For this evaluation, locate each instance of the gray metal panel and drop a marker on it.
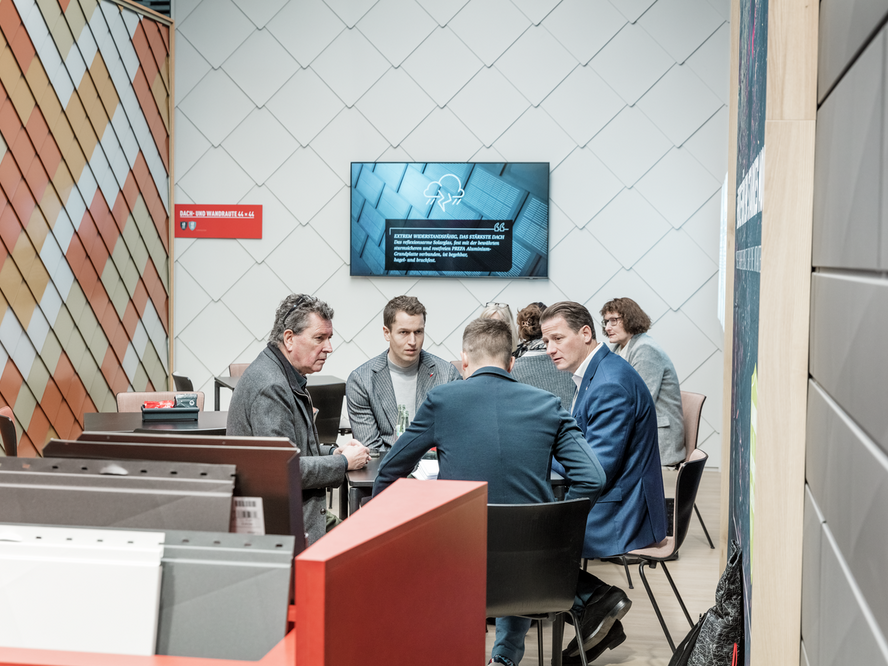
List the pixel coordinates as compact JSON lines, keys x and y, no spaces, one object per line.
{"x":846,"y":635}
{"x":855,"y":499}
{"x":811,"y":579}
{"x":845,"y":26}
{"x":849,"y":317}
{"x":224,"y":595}
{"x":847,"y":169}
{"x":803,"y":656}
{"x":125,"y":493}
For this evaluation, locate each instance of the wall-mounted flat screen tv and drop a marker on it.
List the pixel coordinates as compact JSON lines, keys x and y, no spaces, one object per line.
{"x":472,"y":219}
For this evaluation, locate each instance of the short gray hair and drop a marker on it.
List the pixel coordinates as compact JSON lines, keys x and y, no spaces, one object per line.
{"x":293,"y":314}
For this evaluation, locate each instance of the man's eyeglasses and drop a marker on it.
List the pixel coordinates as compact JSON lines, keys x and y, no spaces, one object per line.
{"x":299,"y":301}
{"x":610,"y":322}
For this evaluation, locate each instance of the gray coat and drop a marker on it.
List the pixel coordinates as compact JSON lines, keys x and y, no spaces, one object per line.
{"x":537,"y":369}
{"x":657,"y":371}
{"x":370,"y":396}
{"x":271,"y":401}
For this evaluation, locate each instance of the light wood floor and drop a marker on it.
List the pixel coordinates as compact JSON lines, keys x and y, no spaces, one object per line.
{"x":695,"y":574}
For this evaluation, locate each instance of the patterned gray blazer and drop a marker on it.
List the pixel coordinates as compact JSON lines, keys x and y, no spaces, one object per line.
{"x":370,"y":396}
{"x":657,"y":371}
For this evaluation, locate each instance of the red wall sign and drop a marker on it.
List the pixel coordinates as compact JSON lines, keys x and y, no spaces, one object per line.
{"x":218,"y":221}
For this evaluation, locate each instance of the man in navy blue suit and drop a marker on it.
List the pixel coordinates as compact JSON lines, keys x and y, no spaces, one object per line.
{"x":616,"y":413}
{"x":493,"y":428}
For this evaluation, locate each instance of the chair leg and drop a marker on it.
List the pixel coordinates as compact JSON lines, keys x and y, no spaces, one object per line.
{"x":576,"y":619}
{"x":654,"y":601}
{"x":703,"y":525}
{"x":678,"y":596}
{"x":540,"y":640}
{"x":557,"y":639}
{"x":626,"y":567}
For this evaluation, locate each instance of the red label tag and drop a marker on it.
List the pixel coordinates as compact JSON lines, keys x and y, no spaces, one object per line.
{"x":218,"y":221}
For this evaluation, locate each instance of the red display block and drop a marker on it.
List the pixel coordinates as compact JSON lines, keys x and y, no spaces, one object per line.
{"x":402,"y":581}
{"x":218,"y":221}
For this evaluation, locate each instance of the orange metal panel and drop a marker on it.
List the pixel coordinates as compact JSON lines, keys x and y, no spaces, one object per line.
{"x":23,"y":202}
{"x":37,"y":79}
{"x":37,"y":128}
{"x":37,"y":179}
{"x":37,"y":229}
{"x":52,"y":399}
{"x":22,"y":49}
{"x":65,"y":424}
{"x":22,"y":99}
{"x":10,"y":381}
{"x":50,"y":206}
{"x":381,"y":559}
{"x":38,"y":428}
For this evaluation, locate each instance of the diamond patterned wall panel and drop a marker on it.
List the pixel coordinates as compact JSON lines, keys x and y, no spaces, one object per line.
{"x":626,"y":99}
{"x":84,"y":200}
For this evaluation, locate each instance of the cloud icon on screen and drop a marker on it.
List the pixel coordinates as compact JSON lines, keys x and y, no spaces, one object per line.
{"x":443,"y":197}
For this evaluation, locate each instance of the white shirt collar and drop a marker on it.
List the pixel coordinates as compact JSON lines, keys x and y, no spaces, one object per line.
{"x":581,"y":371}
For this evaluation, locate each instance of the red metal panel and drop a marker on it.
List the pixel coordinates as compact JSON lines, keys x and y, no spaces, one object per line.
{"x":401,"y":581}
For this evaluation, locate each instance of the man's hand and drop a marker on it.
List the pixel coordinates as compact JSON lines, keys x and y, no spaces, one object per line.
{"x":357,"y":454}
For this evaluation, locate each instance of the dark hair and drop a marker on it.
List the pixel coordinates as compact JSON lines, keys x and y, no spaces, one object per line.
{"x":574,"y":314}
{"x":635,"y":320}
{"x":529,"y":321}
{"x":293,"y":315}
{"x":409,"y":305}
{"x":490,"y":339}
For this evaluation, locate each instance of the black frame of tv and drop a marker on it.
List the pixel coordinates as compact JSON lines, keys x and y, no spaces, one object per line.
{"x":449,"y":219}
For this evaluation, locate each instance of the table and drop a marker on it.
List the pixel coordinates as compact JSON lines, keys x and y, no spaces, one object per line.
{"x":359,"y":484}
{"x":207,"y":423}
{"x":222,"y":382}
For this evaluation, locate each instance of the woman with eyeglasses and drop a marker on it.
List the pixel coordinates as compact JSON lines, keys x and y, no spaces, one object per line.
{"x":533,"y":366}
{"x":625,"y":324}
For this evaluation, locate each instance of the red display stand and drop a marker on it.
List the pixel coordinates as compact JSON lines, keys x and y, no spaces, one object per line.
{"x":401,"y":581}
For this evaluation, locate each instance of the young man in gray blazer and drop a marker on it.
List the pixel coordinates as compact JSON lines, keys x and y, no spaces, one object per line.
{"x":271,"y":401}
{"x":384,"y":393}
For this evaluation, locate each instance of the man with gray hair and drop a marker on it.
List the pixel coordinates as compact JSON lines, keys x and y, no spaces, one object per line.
{"x":493,"y":428}
{"x":271,"y":400}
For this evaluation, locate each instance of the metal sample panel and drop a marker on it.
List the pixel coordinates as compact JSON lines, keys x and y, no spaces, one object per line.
{"x":224,"y":595}
{"x":84,"y":590}
{"x":116,"y":493}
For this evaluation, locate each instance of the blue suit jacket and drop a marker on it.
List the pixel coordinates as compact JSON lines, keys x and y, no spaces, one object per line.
{"x":493,"y":428}
{"x":616,"y":413}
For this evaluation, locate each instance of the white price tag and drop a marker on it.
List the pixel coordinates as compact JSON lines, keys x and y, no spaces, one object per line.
{"x":247,"y":516}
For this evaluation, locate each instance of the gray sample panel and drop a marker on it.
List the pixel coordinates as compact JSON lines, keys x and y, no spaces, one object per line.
{"x":853,"y":498}
{"x":845,"y":25}
{"x":849,"y":317}
{"x":224,"y":596}
{"x":848,"y":166}
{"x":811,"y":579}
{"x":122,"y":493}
{"x":846,"y":635}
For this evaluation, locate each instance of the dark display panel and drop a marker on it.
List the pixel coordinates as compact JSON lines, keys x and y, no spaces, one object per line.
{"x":472,"y":219}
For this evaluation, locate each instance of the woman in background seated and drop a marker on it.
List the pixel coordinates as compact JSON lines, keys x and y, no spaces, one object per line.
{"x":503,"y":312}
{"x":625,"y":324}
{"x":533,"y":366}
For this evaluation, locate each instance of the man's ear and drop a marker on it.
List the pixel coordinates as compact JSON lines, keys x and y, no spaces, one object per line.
{"x":465,"y":362}
{"x":387,"y":334}
{"x":288,"y":339}
{"x":511,"y":363}
{"x":588,"y":335}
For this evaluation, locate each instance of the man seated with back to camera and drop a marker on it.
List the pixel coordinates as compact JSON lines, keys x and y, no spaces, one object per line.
{"x":383,"y":394}
{"x":271,"y":400}
{"x":493,"y":428}
{"x":616,"y":413}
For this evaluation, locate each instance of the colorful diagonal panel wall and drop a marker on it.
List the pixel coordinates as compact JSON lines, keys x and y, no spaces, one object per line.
{"x":84,"y":211}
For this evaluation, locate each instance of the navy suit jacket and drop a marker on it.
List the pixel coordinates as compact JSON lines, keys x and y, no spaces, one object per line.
{"x":493,"y":428}
{"x":616,"y":413}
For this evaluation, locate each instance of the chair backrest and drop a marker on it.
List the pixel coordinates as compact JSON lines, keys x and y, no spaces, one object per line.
{"x":692,"y":408}
{"x":132,"y":401}
{"x":182,"y":383}
{"x":237,"y":369}
{"x":7,"y":432}
{"x":533,"y":556}
{"x":686,"y":484}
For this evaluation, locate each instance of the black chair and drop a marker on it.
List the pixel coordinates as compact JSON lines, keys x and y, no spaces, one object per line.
{"x":686,"y":484}
{"x":533,"y":560}
{"x":7,"y":433}
{"x":182,"y":383}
